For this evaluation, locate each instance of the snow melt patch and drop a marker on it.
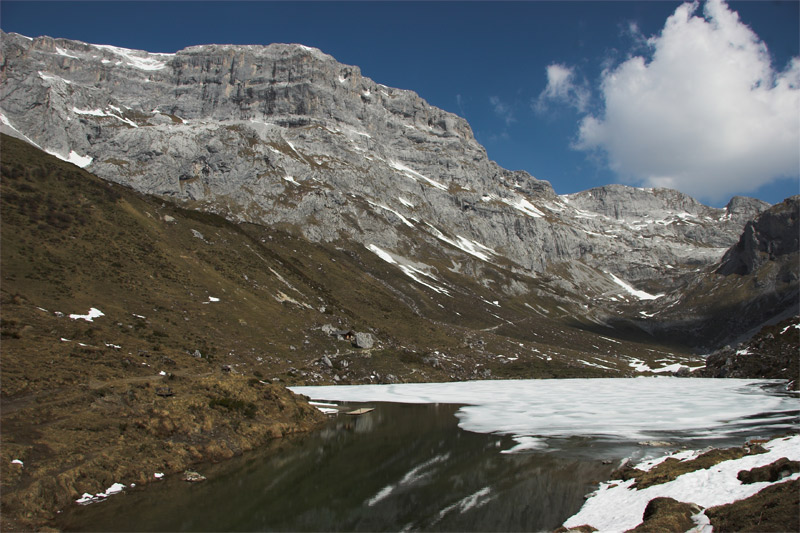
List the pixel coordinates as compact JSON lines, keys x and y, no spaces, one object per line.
{"x":326,"y":407}
{"x":669,"y":368}
{"x":416,"y":176}
{"x":138,"y":59}
{"x":93,"y":313}
{"x":473,"y":248}
{"x":73,"y":157}
{"x":609,"y":408}
{"x":87,"y":498}
{"x":639,"y":365}
{"x":618,"y":507}
{"x":634,"y":292}
{"x":524,"y":206}
{"x":101,"y":113}
{"x":403,"y":219}
{"x":409,"y":269}
{"x":50,"y":77}
{"x":62,"y":52}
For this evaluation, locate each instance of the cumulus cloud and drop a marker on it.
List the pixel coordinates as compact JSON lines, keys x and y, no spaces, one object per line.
{"x":706,"y":113}
{"x":563,"y":87}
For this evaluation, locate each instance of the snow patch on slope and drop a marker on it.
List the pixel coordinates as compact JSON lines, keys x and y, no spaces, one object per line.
{"x":642,"y":295}
{"x":615,"y":506}
{"x":473,"y":248}
{"x":403,"y":219}
{"x":416,"y":176}
{"x":410,"y":269}
{"x":93,"y":313}
{"x":138,"y":59}
{"x":101,"y":113}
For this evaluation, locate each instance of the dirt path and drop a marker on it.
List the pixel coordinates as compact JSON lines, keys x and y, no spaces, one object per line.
{"x":95,"y":384}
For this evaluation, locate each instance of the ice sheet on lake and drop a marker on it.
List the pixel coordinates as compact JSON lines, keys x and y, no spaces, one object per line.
{"x":616,"y":408}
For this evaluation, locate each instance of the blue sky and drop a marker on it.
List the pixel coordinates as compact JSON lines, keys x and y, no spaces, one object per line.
{"x":553,"y":88}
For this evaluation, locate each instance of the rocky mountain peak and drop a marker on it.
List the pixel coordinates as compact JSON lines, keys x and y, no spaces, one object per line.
{"x":744,"y":207}
{"x":622,"y":201}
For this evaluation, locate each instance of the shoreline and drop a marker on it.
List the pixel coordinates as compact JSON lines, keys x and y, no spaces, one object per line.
{"x":209,"y":418}
{"x":696,"y":490}
{"x":52,"y":463}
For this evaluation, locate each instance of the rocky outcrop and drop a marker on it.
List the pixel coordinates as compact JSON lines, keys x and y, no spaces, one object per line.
{"x":667,"y":514}
{"x":780,"y":469}
{"x":775,"y":233}
{"x":773,"y":353}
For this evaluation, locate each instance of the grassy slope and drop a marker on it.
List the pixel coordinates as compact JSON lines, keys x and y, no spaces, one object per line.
{"x":80,"y":402}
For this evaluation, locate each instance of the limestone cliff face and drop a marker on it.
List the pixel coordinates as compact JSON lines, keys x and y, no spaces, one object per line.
{"x":286,"y":135}
{"x":772,"y":236}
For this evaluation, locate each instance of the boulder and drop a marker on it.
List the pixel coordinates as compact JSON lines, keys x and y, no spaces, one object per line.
{"x":363,"y":340}
{"x":667,"y":514}
{"x":772,"y":472}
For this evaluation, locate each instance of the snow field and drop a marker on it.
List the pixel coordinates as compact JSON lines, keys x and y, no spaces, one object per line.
{"x":617,"y":507}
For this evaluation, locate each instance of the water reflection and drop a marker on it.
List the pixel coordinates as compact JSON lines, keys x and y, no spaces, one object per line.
{"x":397,"y":467}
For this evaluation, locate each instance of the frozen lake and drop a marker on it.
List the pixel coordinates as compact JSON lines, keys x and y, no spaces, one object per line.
{"x":476,"y":456}
{"x":536,"y":412}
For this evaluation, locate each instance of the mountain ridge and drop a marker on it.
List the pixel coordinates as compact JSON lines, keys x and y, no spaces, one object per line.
{"x":310,"y":135}
{"x":285,"y":136}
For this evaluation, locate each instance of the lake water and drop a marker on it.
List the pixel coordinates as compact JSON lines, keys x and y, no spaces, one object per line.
{"x":417,"y":463}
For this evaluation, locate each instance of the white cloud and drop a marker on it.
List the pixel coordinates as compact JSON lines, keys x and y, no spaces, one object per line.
{"x":562,"y":87}
{"x":706,"y":113}
{"x":502,"y":110}
{"x":460,"y":104}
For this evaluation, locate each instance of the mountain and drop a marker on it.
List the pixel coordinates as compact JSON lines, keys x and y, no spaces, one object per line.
{"x":247,"y":217}
{"x":285,"y":136}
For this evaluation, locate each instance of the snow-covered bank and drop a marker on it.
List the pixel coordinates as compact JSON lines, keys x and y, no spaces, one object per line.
{"x":617,"y":506}
{"x":621,"y":409}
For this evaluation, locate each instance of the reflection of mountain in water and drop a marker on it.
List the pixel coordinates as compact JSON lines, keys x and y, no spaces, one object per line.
{"x":399,"y":467}
{"x":406,"y":466}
